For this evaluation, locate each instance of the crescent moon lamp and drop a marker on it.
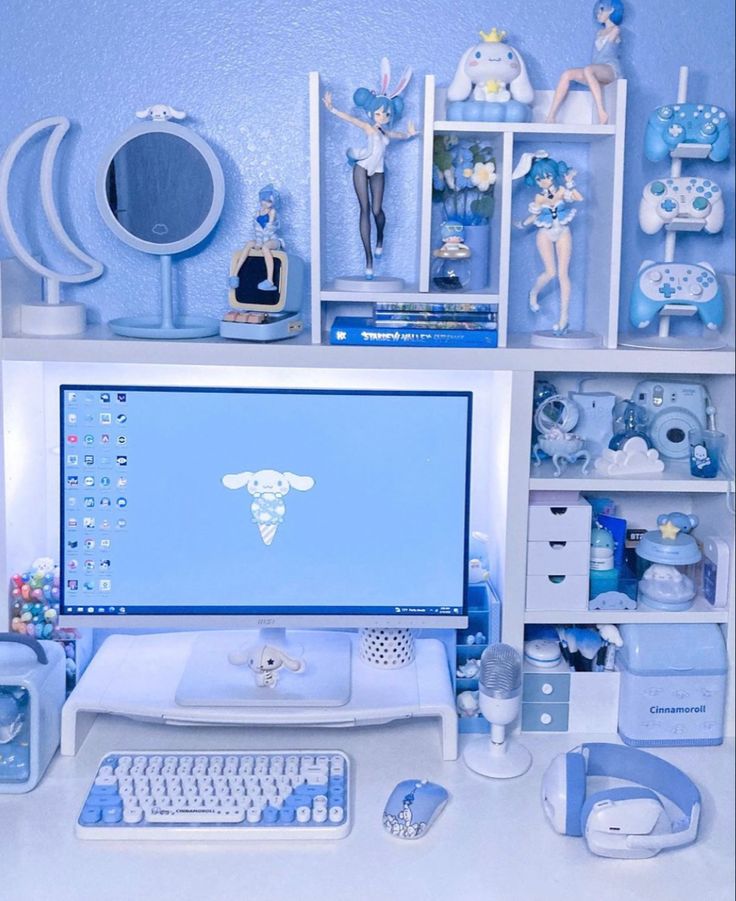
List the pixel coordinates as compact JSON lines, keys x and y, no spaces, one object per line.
{"x":47,"y":317}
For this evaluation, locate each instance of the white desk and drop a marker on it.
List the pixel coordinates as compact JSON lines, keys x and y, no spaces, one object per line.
{"x":491,"y":841}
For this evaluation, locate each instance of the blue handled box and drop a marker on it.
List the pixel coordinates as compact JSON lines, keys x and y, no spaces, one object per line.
{"x":673,"y":684}
{"x":32,"y":692}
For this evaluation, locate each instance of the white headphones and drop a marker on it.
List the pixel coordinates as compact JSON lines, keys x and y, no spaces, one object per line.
{"x":620,"y":822}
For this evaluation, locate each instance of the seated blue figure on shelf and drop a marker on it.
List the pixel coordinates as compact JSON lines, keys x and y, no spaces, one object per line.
{"x":491,"y":83}
{"x":266,"y":283}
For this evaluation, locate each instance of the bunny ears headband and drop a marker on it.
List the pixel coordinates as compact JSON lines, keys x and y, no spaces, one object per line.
{"x":523,"y":167}
{"x":386,"y":78}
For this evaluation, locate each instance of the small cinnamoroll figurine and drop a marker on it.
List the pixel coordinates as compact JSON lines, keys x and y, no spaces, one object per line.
{"x":477,"y":573}
{"x":469,"y":669}
{"x":265,"y":661}
{"x":478,"y":638}
{"x":160,"y":112}
{"x":467,"y":704}
{"x":451,"y":266}
{"x":491,"y":83}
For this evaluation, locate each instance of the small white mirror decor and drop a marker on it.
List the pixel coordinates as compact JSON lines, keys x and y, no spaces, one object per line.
{"x":47,"y":315}
{"x":160,"y":189}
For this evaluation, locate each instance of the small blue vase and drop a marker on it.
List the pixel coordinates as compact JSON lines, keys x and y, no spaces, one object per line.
{"x":478,"y":239}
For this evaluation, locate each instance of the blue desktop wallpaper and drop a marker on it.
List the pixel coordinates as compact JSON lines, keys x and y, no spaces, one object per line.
{"x":240,"y":71}
{"x":167,"y":496}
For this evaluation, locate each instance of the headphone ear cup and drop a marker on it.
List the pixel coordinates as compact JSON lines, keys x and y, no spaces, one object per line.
{"x":575,"y":766}
{"x":563,"y":792}
{"x":608,"y":818}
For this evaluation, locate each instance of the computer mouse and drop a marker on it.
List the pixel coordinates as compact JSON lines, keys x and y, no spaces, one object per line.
{"x":412,"y":807}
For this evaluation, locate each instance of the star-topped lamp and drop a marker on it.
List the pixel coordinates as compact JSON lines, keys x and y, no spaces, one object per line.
{"x":665,"y":585}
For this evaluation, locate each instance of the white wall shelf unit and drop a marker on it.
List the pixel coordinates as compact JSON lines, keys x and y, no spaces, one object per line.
{"x":603,"y":146}
{"x":605,"y":156}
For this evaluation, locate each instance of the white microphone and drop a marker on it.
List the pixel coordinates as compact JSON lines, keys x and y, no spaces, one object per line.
{"x":500,"y":700}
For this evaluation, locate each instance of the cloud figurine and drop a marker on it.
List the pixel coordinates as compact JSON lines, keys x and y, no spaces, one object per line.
{"x":268,"y":487}
{"x":633,"y":459}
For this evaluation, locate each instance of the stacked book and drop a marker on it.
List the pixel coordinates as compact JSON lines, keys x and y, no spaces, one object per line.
{"x":420,"y":325}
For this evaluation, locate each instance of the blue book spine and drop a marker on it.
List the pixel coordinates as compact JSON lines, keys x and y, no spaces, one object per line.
{"x":383,"y":306}
{"x":358,"y":330}
{"x":430,"y":319}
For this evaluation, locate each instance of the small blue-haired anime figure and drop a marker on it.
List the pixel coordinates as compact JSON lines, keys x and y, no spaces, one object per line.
{"x":551,"y":212}
{"x":604,"y":65}
{"x":382,"y":108}
{"x":265,"y":236}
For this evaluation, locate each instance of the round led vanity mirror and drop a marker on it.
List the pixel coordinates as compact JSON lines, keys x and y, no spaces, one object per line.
{"x":160,"y":189}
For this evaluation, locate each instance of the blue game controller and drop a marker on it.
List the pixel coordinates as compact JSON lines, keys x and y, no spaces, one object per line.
{"x":676,"y":283}
{"x":687,"y":123}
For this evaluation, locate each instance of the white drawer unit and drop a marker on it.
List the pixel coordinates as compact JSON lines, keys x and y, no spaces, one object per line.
{"x":569,"y":558}
{"x":557,"y":591}
{"x":558,"y":516}
{"x":560,"y":701}
{"x":558,"y":551}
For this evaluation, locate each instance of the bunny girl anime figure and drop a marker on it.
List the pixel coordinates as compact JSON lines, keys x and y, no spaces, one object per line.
{"x":382,"y":108}
{"x":551,"y":213}
{"x":604,"y":65}
{"x":265,"y":236}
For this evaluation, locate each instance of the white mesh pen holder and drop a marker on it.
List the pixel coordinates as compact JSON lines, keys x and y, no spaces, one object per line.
{"x":386,"y":648}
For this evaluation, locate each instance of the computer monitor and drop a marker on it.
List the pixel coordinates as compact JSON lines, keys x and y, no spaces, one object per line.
{"x":187,"y":507}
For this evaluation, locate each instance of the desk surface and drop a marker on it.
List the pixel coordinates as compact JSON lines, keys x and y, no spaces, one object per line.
{"x":491,"y":840}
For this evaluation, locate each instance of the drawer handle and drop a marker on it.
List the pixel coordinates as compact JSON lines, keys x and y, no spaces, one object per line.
{"x":558,"y":511}
{"x":545,"y":719}
{"x":557,"y":580}
{"x":557,"y":545}
{"x":547,"y":689}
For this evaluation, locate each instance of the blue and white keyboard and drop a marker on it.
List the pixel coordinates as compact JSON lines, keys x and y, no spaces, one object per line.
{"x":218,"y":795}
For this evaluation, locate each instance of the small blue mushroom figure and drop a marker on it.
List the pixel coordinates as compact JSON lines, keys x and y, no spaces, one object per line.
{"x":268,"y":487}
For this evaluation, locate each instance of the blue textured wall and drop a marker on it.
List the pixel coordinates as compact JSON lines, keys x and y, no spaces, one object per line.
{"x":240,"y":70}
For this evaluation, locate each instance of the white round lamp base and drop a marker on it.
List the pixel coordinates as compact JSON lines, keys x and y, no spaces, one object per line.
{"x":182,"y":327}
{"x":506,"y":761}
{"x":707,"y":341}
{"x":565,"y":340}
{"x":381,"y":284}
{"x":52,"y":319}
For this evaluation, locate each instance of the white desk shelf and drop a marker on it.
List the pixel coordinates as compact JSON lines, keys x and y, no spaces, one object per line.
{"x":137,"y":676}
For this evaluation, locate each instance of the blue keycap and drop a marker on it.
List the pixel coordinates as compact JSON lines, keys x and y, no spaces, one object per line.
{"x":112,"y":813}
{"x":90,"y":815}
{"x":286,"y":814}
{"x":103,"y":791}
{"x":270,"y":814}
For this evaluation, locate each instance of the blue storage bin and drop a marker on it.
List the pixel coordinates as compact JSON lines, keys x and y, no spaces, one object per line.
{"x":484,"y":616}
{"x":32,"y":689}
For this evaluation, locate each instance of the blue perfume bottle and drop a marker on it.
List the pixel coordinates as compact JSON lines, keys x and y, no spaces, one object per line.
{"x":629,"y":421}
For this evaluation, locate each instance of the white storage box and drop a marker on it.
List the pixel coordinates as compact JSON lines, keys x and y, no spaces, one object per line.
{"x":557,"y":592}
{"x":558,"y":516}
{"x":673,"y":684}
{"x":567,"y":558}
